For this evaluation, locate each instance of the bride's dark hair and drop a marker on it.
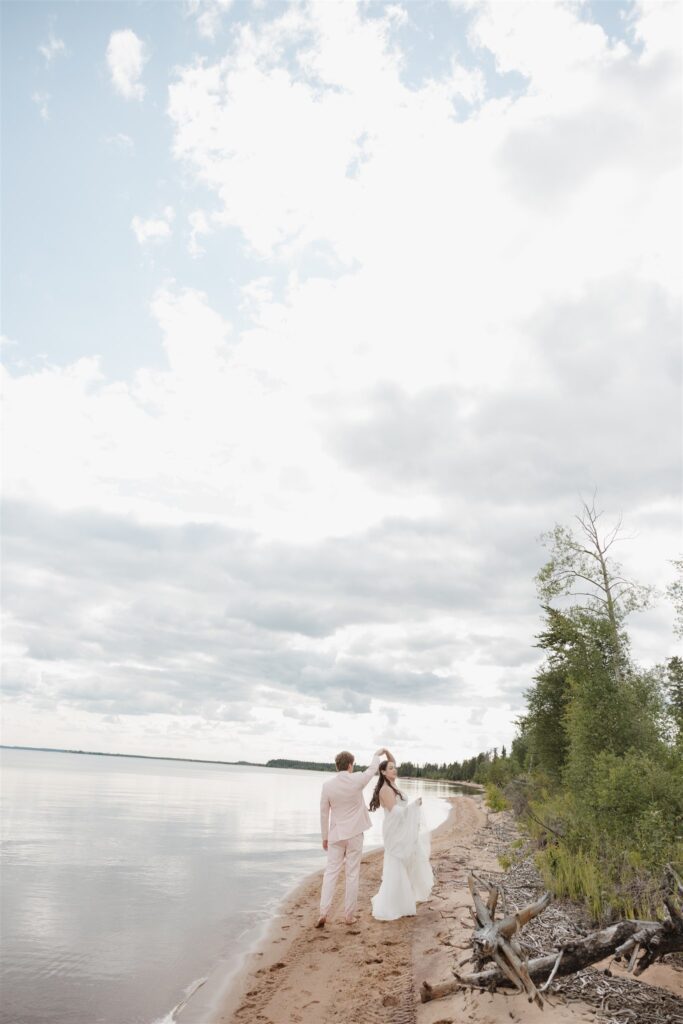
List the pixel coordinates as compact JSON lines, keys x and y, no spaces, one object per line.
{"x":382,"y":781}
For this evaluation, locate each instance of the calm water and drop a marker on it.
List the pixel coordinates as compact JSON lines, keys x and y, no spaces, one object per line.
{"x":126,"y":882}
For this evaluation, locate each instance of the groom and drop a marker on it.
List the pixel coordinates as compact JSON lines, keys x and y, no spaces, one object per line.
{"x":343,"y":819}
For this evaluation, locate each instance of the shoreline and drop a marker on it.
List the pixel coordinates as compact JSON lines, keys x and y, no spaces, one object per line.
{"x":294,"y":920}
{"x":267,"y":951}
{"x":268,"y":948}
{"x":370,"y":973}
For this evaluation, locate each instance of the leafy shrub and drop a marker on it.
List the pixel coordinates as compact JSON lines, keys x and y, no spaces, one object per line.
{"x":608,"y":845}
{"x":494,"y":798}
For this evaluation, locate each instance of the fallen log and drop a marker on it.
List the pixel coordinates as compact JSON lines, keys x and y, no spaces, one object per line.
{"x":643,"y":941}
{"x":656,"y":939}
{"x":572,"y":957}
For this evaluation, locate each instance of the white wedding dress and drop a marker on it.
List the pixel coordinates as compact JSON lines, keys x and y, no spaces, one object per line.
{"x":407,"y":877}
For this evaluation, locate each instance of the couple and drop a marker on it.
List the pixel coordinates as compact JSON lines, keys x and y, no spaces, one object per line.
{"x":407,"y":876}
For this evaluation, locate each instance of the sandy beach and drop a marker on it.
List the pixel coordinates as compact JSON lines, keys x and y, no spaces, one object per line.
{"x":371,"y":973}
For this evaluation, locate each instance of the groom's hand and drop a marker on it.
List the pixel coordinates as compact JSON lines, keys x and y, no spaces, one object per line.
{"x":324,"y":844}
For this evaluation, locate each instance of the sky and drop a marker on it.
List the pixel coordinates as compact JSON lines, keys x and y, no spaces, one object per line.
{"x":316,"y":317}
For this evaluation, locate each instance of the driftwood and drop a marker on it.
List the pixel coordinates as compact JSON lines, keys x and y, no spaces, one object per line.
{"x":643,"y":941}
{"x":656,"y":940}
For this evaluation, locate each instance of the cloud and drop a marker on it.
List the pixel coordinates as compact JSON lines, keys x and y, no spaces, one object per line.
{"x":121,"y":141}
{"x":128,"y":619}
{"x":208,"y":15}
{"x":598,"y":356}
{"x":548,"y":44}
{"x":42,"y":100}
{"x":453,"y":307}
{"x":303,"y":716}
{"x":155,"y":229}
{"x":285,"y":114}
{"x":126,"y":58}
{"x":54,"y":47}
{"x":199,"y":225}
{"x":455,"y":230}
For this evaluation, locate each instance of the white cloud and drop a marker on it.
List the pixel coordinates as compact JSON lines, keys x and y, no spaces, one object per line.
{"x":52,"y":48}
{"x":126,"y":58}
{"x":658,"y":24}
{"x":440,"y":257}
{"x":154,"y":229}
{"x":199,"y":225}
{"x":42,"y":101}
{"x":195,"y":339}
{"x":430,"y":198}
{"x":120,"y":140}
{"x":209,"y":15}
{"x":549,"y":44}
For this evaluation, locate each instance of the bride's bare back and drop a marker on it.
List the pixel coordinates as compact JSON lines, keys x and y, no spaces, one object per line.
{"x":387,"y":798}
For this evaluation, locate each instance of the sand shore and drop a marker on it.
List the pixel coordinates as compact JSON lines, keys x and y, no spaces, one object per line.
{"x":371,"y":973}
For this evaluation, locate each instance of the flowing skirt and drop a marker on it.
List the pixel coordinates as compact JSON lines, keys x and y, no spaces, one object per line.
{"x":407,"y":877}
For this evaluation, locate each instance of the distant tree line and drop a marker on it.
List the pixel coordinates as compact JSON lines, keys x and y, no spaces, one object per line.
{"x":456,"y":771}
{"x":311,"y":766}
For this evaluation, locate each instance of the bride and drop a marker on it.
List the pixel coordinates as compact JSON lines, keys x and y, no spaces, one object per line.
{"x":407,"y":877}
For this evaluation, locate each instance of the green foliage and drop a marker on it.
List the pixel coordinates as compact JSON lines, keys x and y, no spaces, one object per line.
{"x":609,"y":844}
{"x":601,"y":742}
{"x":495,"y":798}
{"x":586,"y":699}
{"x":636,"y":802}
{"x":675,"y":594}
{"x":544,"y":724}
{"x":613,"y":716}
{"x":609,"y":822}
{"x":573,"y":874}
{"x":673,"y":690}
{"x":519,"y":752}
{"x":456,"y":771}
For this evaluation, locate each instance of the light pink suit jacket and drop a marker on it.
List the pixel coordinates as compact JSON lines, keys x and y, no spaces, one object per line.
{"x":343,"y":813}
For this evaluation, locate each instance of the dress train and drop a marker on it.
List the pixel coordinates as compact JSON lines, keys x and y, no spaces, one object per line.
{"x":407,"y":877}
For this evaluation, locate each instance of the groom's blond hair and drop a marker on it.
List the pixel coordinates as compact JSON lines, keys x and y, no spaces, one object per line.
{"x":343,"y":760}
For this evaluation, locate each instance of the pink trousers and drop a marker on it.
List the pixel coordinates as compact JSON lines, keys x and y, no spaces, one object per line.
{"x":347,"y":852}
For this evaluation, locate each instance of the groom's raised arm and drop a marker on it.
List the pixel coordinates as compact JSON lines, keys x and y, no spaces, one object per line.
{"x":362,"y":778}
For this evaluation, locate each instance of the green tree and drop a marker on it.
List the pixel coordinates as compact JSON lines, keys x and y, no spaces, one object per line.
{"x":675,"y":593}
{"x":674,"y":693}
{"x":544,"y":726}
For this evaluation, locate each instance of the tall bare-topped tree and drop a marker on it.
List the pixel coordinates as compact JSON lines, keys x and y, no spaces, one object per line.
{"x":581,"y":566}
{"x":675,"y":593}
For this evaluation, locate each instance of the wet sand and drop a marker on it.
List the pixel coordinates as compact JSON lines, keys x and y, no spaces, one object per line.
{"x":371,"y":972}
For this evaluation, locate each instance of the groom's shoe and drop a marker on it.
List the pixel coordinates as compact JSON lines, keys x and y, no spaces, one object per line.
{"x":321,"y":922}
